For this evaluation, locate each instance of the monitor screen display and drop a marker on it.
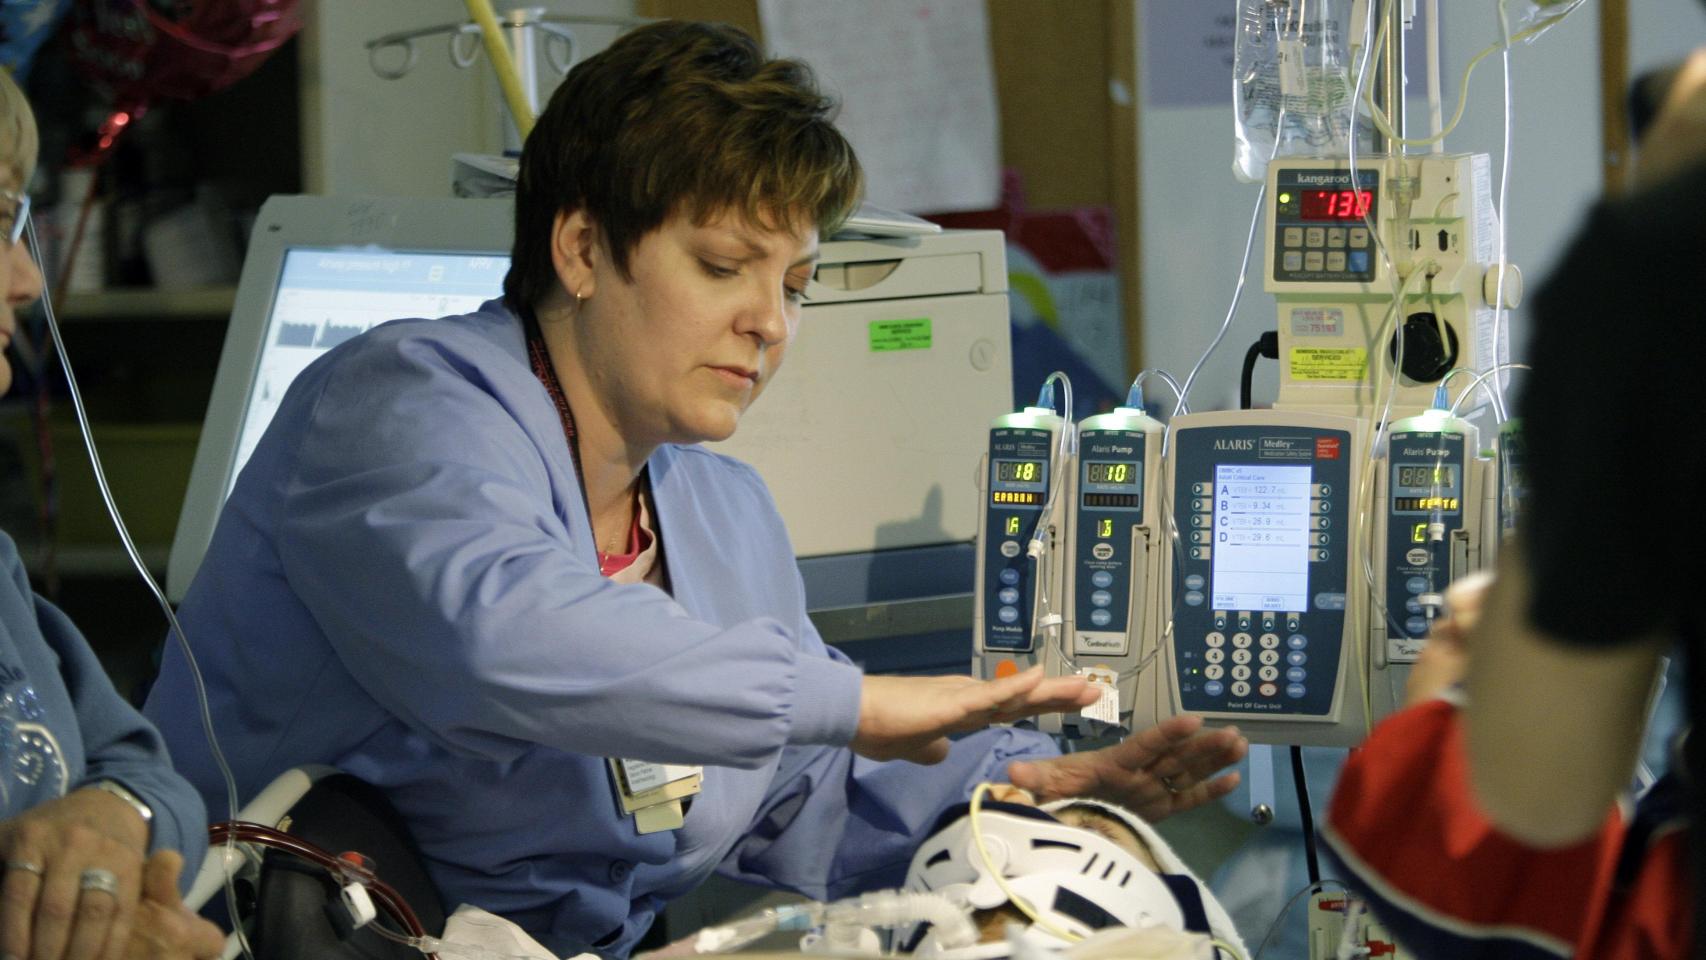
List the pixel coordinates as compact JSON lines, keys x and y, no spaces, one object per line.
{"x":1261,"y":537}
{"x":327,"y":295}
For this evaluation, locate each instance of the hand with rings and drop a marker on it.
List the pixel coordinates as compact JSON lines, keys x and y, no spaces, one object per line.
{"x":73,"y":878}
{"x":1166,"y":769}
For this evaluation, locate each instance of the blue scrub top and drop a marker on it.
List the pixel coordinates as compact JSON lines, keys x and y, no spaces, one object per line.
{"x":404,"y":585}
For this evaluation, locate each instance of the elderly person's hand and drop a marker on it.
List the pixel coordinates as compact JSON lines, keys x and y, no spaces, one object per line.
{"x":1444,"y":660}
{"x":910,"y":718}
{"x":73,"y":876}
{"x":1166,"y":769}
{"x":165,"y":929}
{"x":1677,"y":138}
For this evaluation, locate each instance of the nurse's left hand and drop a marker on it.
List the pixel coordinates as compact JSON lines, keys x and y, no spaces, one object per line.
{"x":911,"y":718}
{"x":1166,"y":769}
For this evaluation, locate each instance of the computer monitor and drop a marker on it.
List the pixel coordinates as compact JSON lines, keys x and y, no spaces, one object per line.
{"x":320,"y":270}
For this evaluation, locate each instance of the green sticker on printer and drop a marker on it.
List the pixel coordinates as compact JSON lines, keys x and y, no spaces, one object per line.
{"x":889,"y":335}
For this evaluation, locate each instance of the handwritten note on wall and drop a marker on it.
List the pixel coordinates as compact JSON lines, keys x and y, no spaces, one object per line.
{"x":917,"y":90}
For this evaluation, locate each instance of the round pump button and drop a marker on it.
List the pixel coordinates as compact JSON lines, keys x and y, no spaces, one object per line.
{"x":1007,"y":614}
{"x":1008,"y":595}
{"x":1010,"y":576}
{"x":1101,"y":578}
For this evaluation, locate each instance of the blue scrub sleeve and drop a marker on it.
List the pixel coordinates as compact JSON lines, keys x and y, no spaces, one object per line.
{"x":836,"y":824}
{"x":421,"y":529}
{"x":120,"y":745}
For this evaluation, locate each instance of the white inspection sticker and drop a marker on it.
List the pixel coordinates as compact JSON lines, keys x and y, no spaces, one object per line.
{"x":1317,"y":321}
{"x":1106,"y":709}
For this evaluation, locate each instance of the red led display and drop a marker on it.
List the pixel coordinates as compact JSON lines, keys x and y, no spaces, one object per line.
{"x":1336,"y":204}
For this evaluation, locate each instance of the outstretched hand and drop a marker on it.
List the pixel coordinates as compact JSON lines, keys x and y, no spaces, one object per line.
{"x":1166,"y":769}
{"x":910,"y":718}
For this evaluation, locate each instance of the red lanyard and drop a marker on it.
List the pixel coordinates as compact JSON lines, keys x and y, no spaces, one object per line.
{"x":540,"y":359}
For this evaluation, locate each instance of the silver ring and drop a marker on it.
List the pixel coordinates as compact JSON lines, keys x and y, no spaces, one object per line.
{"x":95,"y":878}
{"x":1168,"y":783}
{"x":24,"y":866}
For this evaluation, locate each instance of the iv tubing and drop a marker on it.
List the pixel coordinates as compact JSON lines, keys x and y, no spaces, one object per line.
{"x":1500,"y":368}
{"x":1501,"y":316}
{"x":503,"y":64}
{"x":1384,"y":125}
{"x":1165,"y":377}
{"x":1436,"y":125}
{"x":887,"y":908}
{"x":1243,"y":272}
{"x":142,"y":568}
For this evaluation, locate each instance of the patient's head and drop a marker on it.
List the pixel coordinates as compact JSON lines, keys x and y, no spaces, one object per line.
{"x":1082,"y":866}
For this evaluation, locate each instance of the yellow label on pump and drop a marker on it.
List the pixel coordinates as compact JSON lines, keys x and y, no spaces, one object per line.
{"x":1329,"y":363}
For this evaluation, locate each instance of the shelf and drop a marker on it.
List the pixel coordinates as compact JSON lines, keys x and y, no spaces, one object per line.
{"x":148,"y":303}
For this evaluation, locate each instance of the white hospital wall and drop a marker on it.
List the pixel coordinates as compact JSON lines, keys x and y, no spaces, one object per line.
{"x":365,"y":135}
{"x":1195,"y":216}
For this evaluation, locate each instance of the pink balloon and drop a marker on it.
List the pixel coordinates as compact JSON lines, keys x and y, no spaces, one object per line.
{"x":136,"y":51}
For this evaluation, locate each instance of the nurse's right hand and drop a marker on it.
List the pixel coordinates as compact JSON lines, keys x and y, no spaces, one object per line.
{"x":910,"y":718}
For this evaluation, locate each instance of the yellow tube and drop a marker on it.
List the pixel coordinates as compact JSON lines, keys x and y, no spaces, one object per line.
{"x":503,"y":64}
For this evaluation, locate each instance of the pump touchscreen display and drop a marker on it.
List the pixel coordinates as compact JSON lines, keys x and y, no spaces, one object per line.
{"x":1261,"y":537}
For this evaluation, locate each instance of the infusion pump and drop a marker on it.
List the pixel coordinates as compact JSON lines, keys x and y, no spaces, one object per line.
{"x":1437,"y":503}
{"x":1114,"y":539}
{"x":1021,"y":525}
{"x":1341,"y":244}
{"x":1263,"y":581}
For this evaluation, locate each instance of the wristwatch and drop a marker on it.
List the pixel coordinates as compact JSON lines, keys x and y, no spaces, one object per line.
{"x":135,"y":802}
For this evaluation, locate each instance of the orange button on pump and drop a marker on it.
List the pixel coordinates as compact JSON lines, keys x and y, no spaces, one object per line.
{"x":1006,"y":668}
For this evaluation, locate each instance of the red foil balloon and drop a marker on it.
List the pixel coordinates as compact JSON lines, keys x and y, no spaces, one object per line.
{"x":136,"y":51}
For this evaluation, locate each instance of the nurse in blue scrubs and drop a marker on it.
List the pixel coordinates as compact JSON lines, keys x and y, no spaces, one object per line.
{"x":482,"y":562}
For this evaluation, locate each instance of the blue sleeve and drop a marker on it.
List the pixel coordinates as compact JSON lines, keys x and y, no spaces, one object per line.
{"x":122,"y":746}
{"x":835,"y":823}
{"x":421,"y":528}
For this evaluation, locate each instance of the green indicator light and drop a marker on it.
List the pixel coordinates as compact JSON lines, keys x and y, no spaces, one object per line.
{"x":1285,"y":198}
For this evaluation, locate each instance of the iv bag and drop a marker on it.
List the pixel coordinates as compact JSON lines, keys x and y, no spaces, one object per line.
{"x":1292,"y":82}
